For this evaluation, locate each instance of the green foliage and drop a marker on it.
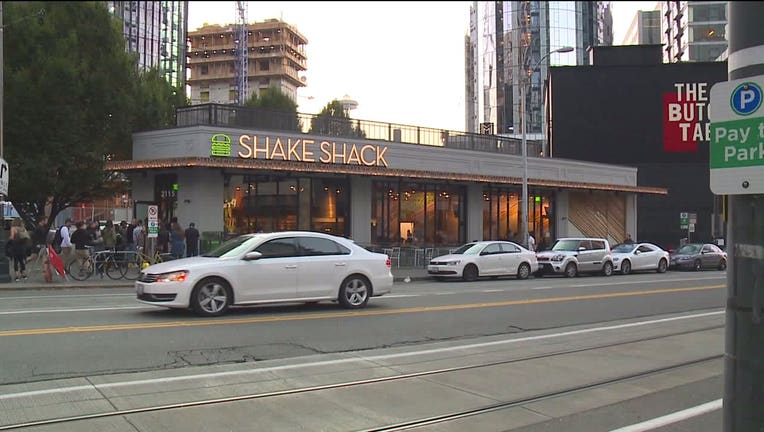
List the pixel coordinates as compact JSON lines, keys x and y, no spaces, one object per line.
{"x":73,"y":97}
{"x":272,"y":109}
{"x":334,"y":121}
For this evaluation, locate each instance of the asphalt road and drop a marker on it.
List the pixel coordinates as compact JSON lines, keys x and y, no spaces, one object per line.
{"x":50,"y":334}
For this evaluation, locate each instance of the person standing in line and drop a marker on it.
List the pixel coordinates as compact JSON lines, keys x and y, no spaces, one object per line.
{"x":67,"y":248}
{"x":20,"y":245}
{"x":109,"y":235}
{"x":81,"y":238}
{"x":39,"y":238}
{"x":139,"y":238}
{"x":177,"y":239}
{"x":531,"y":242}
{"x":129,"y":244}
{"x":628,"y":239}
{"x":192,"y":240}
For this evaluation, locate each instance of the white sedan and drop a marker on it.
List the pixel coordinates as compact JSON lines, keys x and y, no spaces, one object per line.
{"x":629,"y":257}
{"x":484,"y":258}
{"x":282,"y":267}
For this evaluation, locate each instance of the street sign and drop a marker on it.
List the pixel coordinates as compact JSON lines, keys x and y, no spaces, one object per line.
{"x":684,"y":220}
{"x":4,"y":174}
{"x":737,"y":137}
{"x":153,"y":213}
{"x":693,"y":218}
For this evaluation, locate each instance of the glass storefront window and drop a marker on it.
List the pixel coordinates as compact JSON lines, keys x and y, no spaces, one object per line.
{"x":266,"y":204}
{"x":501,"y":215}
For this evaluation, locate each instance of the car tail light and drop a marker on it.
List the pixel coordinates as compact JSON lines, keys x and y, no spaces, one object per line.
{"x":389,"y":263}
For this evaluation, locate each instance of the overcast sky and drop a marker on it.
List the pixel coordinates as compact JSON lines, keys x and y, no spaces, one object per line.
{"x":403,"y":62}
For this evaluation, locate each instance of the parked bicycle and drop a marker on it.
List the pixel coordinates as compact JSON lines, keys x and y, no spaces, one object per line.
{"x":101,"y":263}
{"x":131,"y":263}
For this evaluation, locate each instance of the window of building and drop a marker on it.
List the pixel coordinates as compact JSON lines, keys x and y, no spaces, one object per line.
{"x":708,"y":33}
{"x":264,"y":65}
{"x":502,"y":221}
{"x":204,"y":69}
{"x":232,"y":95}
{"x":204,"y":96}
{"x":708,"y":12}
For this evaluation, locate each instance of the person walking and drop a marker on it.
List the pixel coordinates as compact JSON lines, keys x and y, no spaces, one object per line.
{"x":67,"y":249}
{"x":21,"y":246}
{"x":192,"y":240}
{"x":531,"y":242}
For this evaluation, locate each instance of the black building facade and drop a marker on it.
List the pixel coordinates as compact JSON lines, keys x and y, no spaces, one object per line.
{"x":628,"y":108}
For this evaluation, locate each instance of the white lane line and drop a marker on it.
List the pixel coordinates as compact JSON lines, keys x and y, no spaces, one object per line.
{"x":673,"y":417}
{"x":494,"y":290}
{"x":257,"y":370}
{"x":387,"y":296}
{"x":651,"y":281}
{"x":36,"y":311}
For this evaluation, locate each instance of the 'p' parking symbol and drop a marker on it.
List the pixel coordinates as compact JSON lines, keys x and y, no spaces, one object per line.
{"x":746,"y":98}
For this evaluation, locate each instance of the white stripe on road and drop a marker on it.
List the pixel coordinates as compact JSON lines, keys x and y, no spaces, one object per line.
{"x":256,"y":370}
{"x":35,"y":311}
{"x":673,"y":417}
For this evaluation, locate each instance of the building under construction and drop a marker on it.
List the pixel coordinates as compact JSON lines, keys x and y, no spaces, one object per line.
{"x":276,"y":58}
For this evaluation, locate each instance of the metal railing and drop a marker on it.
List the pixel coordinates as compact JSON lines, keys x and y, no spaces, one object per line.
{"x":261,"y":119}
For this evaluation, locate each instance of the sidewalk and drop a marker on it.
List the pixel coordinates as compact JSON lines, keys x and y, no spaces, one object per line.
{"x":36,"y":280}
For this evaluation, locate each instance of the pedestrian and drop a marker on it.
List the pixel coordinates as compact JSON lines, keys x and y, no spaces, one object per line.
{"x":531,"y":242}
{"x":81,"y":239}
{"x":177,"y":239}
{"x":109,"y":235}
{"x":139,"y":237}
{"x":67,"y":249}
{"x":21,"y":246}
{"x":39,"y":238}
{"x":192,"y":240}
{"x":129,"y":242}
{"x":163,"y":237}
{"x":628,"y":239}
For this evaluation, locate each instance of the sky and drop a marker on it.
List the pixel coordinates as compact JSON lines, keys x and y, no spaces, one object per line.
{"x":403,"y":62}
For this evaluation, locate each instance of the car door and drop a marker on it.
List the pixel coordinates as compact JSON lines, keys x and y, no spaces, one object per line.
{"x":645,"y":258}
{"x":585,"y":256}
{"x":708,"y":257}
{"x":510,"y":258}
{"x":324,"y":263}
{"x":271,"y":277}
{"x":489,"y":260}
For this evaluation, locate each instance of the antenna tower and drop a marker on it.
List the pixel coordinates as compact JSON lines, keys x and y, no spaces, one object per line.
{"x":242,"y":55}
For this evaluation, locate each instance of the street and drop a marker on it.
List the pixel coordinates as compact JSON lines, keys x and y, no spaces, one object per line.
{"x":57,"y":338}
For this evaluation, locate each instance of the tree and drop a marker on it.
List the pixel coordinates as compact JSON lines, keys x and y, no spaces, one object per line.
{"x":73,"y":97}
{"x":334,"y":121}
{"x":272,"y":109}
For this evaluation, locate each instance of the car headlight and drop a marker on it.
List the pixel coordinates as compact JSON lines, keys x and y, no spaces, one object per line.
{"x":176,"y":276}
{"x":453,"y":263}
{"x":558,"y":257}
{"x":616,"y":259}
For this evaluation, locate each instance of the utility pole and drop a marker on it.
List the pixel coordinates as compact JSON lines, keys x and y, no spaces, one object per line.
{"x":5,"y":275}
{"x":744,"y":339}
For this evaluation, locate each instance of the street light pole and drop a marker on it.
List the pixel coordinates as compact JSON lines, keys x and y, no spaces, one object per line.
{"x":524,"y":150}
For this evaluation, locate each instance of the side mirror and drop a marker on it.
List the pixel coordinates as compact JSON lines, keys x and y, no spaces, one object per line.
{"x":637,"y":252}
{"x":251,"y":256}
{"x":581,"y":249}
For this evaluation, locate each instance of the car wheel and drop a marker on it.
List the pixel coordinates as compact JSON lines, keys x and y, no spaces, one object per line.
{"x":211,"y":297}
{"x":607,"y":268}
{"x":523,"y":271}
{"x":625,"y":267}
{"x":470,"y":273}
{"x":698,"y":266}
{"x":354,"y":292}
{"x":722,"y":265}
{"x":571,"y":270}
{"x":662,"y":266}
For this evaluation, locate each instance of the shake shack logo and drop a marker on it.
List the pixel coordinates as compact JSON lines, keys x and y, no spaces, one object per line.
{"x":221,"y":145}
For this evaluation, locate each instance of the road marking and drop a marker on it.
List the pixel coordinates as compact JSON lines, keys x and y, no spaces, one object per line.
{"x":673,"y":417}
{"x":627,"y":283}
{"x":34,"y":311}
{"x":493,"y":290}
{"x":256,"y":369}
{"x":348,"y":314}
{"x":38,"y":297}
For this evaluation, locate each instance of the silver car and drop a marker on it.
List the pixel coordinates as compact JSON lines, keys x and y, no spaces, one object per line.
{"x":571,"y":256}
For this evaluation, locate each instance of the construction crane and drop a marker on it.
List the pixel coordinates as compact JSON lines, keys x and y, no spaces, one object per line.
{"x":242,"y":56}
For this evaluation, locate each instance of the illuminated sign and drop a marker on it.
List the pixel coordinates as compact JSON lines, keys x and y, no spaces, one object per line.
{"x":685,"y":117}
{"x":299,"y":150}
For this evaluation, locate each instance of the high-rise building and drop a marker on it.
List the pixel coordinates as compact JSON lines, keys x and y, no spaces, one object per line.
{"x":156,"y":32}
{"x":276,"y":59}
{"x":645,"y":28}
{"x":513,"y":39}
{"x":693,"y":30}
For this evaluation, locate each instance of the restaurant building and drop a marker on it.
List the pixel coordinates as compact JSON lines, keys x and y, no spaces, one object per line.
{"x":377,"y":183}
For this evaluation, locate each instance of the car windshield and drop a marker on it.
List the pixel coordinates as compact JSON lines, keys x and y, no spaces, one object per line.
{"x":624,"y":248}
{"x":235,"y":246}
{"x":468,"y":249}
{"x":689,"y":249}
{"x":565,"y":245}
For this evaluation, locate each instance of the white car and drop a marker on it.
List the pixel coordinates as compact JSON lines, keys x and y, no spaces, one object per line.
{"x":629,"y":257}
{"x":282,"y":267}
{"x":484,"y":258}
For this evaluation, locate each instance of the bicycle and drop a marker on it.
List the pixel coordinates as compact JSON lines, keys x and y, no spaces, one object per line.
{"x":101,"y":262}
{"x":131,"y":263}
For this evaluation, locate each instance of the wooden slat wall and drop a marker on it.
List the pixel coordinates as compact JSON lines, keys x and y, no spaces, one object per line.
{"x":598,"y":214}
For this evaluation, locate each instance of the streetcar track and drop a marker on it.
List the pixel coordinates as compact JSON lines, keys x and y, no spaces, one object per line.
{"x":399,"y":377}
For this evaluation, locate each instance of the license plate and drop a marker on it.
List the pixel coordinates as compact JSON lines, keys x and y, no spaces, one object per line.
{"x":434,"y":269}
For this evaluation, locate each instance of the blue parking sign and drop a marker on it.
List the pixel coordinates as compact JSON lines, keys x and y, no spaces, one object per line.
{"x":746,"y":98}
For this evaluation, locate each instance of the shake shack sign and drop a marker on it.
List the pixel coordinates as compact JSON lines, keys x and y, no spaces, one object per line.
{"x":297,"y":150}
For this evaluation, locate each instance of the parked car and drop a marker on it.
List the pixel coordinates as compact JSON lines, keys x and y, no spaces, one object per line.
{"x":699,"y":256}
{"x":571,"y":256}
{"x":484,"y":258}
{"x":628,"y":257}
{"x":282,"y":267}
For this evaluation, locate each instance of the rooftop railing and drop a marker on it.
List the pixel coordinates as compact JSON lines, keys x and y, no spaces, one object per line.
{"x":255,"y":118}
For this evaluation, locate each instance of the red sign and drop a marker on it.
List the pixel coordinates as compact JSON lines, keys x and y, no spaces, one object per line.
{"x":685,"y":117}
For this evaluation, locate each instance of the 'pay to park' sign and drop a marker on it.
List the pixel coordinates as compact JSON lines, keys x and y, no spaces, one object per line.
{"x":737,"y":137}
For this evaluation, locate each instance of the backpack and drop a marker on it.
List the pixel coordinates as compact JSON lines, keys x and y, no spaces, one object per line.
{"x":57,"y":239}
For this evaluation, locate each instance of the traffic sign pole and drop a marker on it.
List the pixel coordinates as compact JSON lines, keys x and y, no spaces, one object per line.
{"x":744,"y":339}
